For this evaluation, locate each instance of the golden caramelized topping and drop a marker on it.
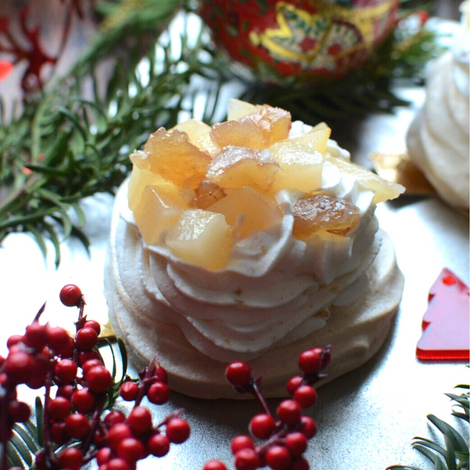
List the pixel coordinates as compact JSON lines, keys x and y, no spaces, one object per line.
{"x":248,"y":211}
{"x":323,"y":212}
{"x":201,"y":238}
{"x":208,"y":193}
{"x":174,"y":157}
{"x":235,"y":167}
{"x":198,"y":188}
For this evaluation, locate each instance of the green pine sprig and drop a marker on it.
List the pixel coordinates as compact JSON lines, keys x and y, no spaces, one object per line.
{"x":452,"y":451}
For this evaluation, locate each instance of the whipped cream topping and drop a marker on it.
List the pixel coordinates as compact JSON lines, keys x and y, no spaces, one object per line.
{"x":438,"y":139}
{"x":275,"y":288}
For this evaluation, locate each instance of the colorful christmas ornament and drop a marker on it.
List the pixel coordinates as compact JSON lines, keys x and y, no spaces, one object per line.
{"x":299,"y":40}
{"x":446,"y":323}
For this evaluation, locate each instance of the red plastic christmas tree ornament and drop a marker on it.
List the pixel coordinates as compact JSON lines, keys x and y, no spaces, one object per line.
{"x":446,"y":323}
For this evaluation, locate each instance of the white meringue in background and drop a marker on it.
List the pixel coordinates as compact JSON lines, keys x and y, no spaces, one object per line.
{"x":438,"y":139}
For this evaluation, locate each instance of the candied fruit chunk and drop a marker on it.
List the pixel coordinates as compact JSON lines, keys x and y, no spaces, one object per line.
{"x":383,"y":190}
{"x":159,"y":209}
{"x":315,"y":140}
{"x":259,"y":129}
{"x":247,"y":211}
{"x":234,"y":167}
{"x":170,"y":154}
{"x":323,"y":212}
{"x":238,"y":109}
{"x":208,"y":193}
{"x":239,"y":133}
{"x":137,"y":183}
{"x":199,"y":135}
{"x":300,"y":170}
{"x":275,"y":123}
{"x":201,"y":238}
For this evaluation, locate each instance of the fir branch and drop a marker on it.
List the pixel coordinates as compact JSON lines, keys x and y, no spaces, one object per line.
{"x":454,"y":454}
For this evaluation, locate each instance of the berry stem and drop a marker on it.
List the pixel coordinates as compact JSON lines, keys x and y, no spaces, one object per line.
{"x":95,"y":420}
{"x":40,"y":312}
{"x":48,"y":449}
{"x":253,"y":388}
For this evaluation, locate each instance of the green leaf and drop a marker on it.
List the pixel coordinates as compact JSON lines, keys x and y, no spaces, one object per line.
{"x":123,"y":352}
{"x":457,"y":441}
{"x":438,"y":465}
{"x":39,"y":411}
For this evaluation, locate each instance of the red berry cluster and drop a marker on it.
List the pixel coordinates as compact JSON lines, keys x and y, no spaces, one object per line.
{"x":47,"y":356}
{"x":286,"y":436}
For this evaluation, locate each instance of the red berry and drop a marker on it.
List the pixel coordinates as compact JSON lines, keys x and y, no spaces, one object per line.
{"x":158,"y":393}
{"x":41,"y":368}
{"x":103,"y":456}
{"x":86,"y":356}
{"x":89,"y":364}
{"x":238,"y":373}
{"x":296,"y":442}
{"x":70,"y":295}
{"x":65,"y":391}
{"x":57,"y":338}
{"x":19,"y":411}
{"x":214,"y":465}
{"x":36,"y":335}
{"x":262,"y":426}
{"x":58,"y":433}
{"x":86,"y":338}
{"x":293,"y":384}
{"x":140,"y":419}
{"x":289,"y":412}
{"x":66,"y":370}
{"x":177,"y":430}
{"x":71,"y":458}
{"x":305,"y":396}
{"x":310,"y":361}
{"x":241,"y":442}
{"x":13,"y":340}
{"x":130,"y":449}
{"x":161,"y":374}
{"x":158,"y":445}
{"x":93,"y":325}
{"x":129,"y":391}
{"x":40,"y":460}
{"x":308,"y":427}
{"x":99,"y":379}
{"x":117,"y":433}
{"x":19,"y":367}
{"x":67,"y":350}
{"x":83,"y":400}
{"x":77,"y":425}
{"x":278,"y":458}
{"x":117,"y":464}
{"x":247,"y":459}
{"x":59,"y":408}
{"x":300,"y":464}
{"x":114,"y":417}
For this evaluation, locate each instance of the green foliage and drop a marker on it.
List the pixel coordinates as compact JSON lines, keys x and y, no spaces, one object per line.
{"x":452,"y":452}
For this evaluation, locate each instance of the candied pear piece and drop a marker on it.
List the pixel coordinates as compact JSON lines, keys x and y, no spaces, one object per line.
{"x":323,"y":212}
{"x":275,"y":123}
{"x":201,"y":238}
{"x":245,"y":133}
{"x":259,"y":129}
{"x":300,"y":170}
{"x":170,"y":154}
{"x":137,"y":183}
{"x":158,"y":211}
{"x":315,"y":140}
{"x":199,"y":135}
{"x":238,"y":109}
{"x":383,"y":190}
{"x":208,"y":193}
{"x":248,"y":211}
{"x":234,"y":167}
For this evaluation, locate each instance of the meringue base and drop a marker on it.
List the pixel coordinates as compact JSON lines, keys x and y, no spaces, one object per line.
{"x":355,"y":334}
